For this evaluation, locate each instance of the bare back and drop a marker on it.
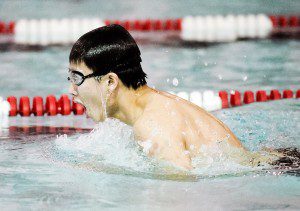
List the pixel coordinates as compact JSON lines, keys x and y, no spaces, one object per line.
{"x":176,"y":126}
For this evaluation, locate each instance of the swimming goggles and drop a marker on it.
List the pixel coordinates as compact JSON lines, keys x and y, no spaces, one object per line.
{"x":78,"y":78}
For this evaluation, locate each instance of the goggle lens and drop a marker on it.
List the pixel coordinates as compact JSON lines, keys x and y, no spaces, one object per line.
{"x":75,"y":78}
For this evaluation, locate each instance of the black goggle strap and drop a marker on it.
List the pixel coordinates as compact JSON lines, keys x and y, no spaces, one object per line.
{"x":90,"y":75}
{"x":83,"y":77}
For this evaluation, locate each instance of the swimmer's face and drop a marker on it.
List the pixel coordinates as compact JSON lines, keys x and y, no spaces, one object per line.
{"x":92,"y":93}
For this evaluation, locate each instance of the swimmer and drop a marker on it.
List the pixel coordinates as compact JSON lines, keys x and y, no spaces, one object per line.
{"x":108,"y":80}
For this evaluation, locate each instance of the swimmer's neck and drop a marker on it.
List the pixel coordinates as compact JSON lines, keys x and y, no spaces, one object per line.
{"x":130,"y":104}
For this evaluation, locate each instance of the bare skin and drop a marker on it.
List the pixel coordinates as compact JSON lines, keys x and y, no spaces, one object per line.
{"x":168,"y":127}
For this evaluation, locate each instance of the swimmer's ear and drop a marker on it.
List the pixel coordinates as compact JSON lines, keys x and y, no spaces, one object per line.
{"x":113,"y":80}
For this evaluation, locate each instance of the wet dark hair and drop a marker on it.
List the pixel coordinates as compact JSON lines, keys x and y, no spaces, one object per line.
{"x":110,"y":49}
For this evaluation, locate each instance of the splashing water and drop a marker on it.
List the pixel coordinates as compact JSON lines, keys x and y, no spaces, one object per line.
{"x":223,"y":158}
{"x":104,"y":104}
{"x":110,"y":142}
{"x":110,"y":147}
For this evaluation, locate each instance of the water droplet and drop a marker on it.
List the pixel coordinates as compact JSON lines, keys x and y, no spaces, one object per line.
{"x":175,"y":82}
{"x":186,"y":152}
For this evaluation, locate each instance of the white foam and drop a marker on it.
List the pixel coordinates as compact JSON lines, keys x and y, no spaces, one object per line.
{"x":223,"y":158}
{"x":4,"y":113}
{"x":111,"y":143}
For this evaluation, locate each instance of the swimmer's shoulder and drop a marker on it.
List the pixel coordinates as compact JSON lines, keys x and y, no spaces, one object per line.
{"x":171,"y":108}
{"x":181,"y":103}
{"x":161,"y":112}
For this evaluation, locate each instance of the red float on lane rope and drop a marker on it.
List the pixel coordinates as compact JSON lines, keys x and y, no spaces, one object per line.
{"x":107,"y":22}
{"x":38,"y":106}
{"x":2,"y":27}
{"x":24,"y":107}
{"x":178,"y":24}
{"x":157,"y":25}
{"x":127,"y":25}
{"x":248,"y":97}
{"x":224,"y":98}
{"x":275,"y":94}
{"x":235,"y":99}
{"x":298,"y":93}
{"x":51,"y":107}
{"x":137,"y":25}
{"x":118,"y":22}
{"x":13,"y":106}
{"x":282,"y":21}
{"x":11,"y":28}
{"x":293,"y":22}
{"x":261,"y":96}
{"x":287,"y":93}
{"x":147,"y":25}
{"x":168,"y":24}
{"x":64,"y":105}
{"x":274,"y":20}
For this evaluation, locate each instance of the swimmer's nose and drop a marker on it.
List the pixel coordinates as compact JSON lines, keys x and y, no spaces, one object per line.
{"x":72,"y":90}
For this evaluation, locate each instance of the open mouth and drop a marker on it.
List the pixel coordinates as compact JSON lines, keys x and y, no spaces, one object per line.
{"x":80,"y":103}
{"x":77,"y":101}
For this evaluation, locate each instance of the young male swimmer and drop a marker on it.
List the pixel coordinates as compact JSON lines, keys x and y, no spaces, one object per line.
{"x":107,"y":79}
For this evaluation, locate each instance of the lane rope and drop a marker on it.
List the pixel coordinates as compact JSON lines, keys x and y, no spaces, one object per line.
{"x":190,"y":28}
{"x":208,"y":100}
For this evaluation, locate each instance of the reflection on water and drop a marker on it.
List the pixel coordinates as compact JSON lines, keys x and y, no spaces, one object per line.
{"x":39,"y":129}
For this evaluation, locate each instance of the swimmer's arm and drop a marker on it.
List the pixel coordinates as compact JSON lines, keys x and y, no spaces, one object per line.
{"x":232,"y":139}
{"x":179,"y":158}
{"x":167,"y":144}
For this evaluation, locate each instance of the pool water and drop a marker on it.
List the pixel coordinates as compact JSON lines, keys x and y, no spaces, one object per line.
{"x":105,"y":169}
{"x":231,"y":66}
{"x":59,"y":163}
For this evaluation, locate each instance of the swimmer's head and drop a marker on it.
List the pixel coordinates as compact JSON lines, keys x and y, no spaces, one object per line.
{"x":111,"y":57}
